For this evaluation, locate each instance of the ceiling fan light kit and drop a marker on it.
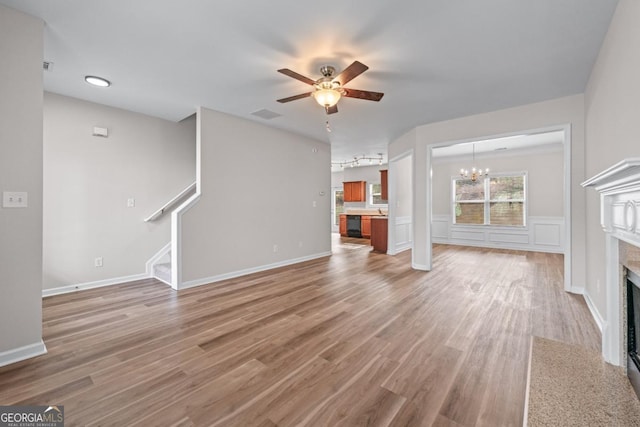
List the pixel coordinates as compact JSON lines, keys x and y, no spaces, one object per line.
{"x":327,"y":97}
{"x":329,"y":89}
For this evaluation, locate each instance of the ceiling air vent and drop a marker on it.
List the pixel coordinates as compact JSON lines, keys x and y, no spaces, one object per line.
{"x":266,"y":114}
{"x":47,"y":66}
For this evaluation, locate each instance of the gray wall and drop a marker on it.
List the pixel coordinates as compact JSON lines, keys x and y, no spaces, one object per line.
{"x":21,"y":47}
{"x":612,"y":106}
{"x":88,"y":180}
{"x":545,"y":180}
{"x":258,"y":185}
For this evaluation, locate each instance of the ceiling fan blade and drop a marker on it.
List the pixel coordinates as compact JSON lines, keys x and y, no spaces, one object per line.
{"x":363,"y":94}
{"x":332,"y":110}
{"x":288,"y":72}
{"x":294,"y":97}
{"x":351,"y":72}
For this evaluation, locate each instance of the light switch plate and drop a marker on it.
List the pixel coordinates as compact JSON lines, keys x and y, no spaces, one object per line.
{"x":14,"y":199}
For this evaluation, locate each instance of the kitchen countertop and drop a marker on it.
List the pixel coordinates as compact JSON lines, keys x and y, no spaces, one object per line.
{"x":372,"y":215}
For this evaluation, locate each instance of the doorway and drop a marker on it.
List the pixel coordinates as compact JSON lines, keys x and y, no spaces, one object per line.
{"x":542,"y":156}
{"x":337,"y":208}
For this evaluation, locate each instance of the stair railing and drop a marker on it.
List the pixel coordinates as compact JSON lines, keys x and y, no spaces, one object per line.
{"x":167,"y":206}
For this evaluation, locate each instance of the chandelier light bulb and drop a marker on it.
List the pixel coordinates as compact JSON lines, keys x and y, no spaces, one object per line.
{"x":475,"y":173}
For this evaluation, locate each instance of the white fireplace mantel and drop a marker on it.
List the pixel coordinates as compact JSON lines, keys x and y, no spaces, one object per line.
{"x":619,"y":188}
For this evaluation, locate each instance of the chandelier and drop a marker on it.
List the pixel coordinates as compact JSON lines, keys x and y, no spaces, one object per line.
{"x":475,"y":173}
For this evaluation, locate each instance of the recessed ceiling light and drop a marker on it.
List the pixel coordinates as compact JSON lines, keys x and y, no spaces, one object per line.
{"x":97,"y":81}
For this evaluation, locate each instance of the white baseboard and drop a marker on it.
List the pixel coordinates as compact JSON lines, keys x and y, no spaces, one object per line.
{"x":22,"y":353}
{"x":234,"y":274}
{"x":594,"y":311}
{"x":577,"y":290}
{"x":422,"y":267}
{"x":403,"y":247}
{"x":161,"y":280}
{"x":91,"y":285}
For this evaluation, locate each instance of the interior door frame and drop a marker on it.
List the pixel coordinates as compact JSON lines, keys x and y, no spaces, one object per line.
{"x":393,"y":202}
{"x":566,"y":128}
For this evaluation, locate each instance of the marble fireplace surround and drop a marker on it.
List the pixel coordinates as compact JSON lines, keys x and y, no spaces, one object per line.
{"x":619,"y":188}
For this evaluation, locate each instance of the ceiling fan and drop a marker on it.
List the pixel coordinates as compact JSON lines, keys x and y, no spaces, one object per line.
{"x":329,"y":88}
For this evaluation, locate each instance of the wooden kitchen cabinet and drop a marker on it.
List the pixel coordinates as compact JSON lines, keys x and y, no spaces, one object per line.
{"x":379,"y":234}
{"x":354,"y":191}
{"x":384,"y":185}
{"x":343,"y":225}
{"x":365,"y":226}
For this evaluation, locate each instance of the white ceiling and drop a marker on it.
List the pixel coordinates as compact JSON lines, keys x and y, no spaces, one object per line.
{"x":433,"y":59}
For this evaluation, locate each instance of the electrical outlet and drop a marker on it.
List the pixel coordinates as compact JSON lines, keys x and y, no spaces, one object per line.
{"x":14,"y":199}
{"x":98,"y":261}
{"x":131,"y":203}
{"x":275,"y":248}
{"x":315,"y":204}
{"x":300,"y":244}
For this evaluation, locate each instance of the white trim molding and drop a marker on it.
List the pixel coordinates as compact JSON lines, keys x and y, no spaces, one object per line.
{"x":397,"y":227}
{"x":156,"y":258}
{"x":594,"y":311}
{"x":176,"y":239}
{"x":542,"y":234}
{"x":91,"y":285}
{"x":22,"y":353}
{"x":403,"y":234}
{"x":234,"y":274}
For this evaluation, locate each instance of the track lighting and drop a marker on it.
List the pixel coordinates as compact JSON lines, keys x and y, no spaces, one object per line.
{"x":356,"y":161}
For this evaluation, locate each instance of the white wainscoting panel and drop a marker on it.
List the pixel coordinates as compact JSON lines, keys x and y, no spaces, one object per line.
{"x":404,"y":233}
{"x":547,"y":234}
{"x":467,"y":234}
{"x":519,"y":238}
{"x":542,"y":234}
{"x":440,"y":227}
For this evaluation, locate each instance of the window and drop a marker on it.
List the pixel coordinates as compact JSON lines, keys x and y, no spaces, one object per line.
{"x":495,"y":200}
{"x":375,"y":195}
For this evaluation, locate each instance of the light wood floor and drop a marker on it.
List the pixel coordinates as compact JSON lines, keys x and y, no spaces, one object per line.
{"x":354,"y":339}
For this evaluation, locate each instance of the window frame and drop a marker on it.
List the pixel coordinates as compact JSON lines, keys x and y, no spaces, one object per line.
{"x":370,"y":196}
{"x":487,"y":200}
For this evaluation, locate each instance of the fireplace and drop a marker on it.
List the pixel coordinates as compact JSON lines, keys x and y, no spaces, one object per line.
{"x":633,"y":330}
{"x":619,"y":188}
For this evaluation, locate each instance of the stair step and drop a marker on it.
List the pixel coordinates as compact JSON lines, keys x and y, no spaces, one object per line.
{"x":163,"y":271}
